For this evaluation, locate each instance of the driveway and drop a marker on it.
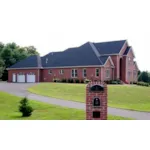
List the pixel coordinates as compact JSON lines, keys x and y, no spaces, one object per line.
{"x":20,"y":89}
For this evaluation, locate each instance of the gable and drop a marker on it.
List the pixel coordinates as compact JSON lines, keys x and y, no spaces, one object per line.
{"x":113,"y":47}
{"x":109,"y":62}
{"x":130,"y":53}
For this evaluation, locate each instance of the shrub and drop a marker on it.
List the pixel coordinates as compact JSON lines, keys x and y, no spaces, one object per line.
{"x":82,"y":81}
{"x":24,"y":108}
{"x":114,"y":82}
{"x":77,"y":81}
{"x":86,"y":81}
{"x":64,"y":80}
{"x":56,"y":80}
{"x":142,"y":83}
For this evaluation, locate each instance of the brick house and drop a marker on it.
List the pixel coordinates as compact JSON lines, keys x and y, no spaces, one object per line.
{"x":94,"y":61}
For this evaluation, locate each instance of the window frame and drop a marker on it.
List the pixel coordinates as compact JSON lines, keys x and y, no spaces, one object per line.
{"x":84,"y":74}
{"x":96,"y":72}
{"x":107,"y":71}
{"x":74,"y":73}
{"x":61,"y":71}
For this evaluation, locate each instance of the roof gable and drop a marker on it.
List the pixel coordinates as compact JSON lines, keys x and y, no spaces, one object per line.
{"x":112,"y":47}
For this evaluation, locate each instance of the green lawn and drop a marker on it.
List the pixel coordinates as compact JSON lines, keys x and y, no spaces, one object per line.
{"x":119,"y":96}
{"x":9,"y":110}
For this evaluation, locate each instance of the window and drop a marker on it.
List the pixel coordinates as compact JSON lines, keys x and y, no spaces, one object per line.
{"x":61,"y":71}
{"x":74,"y":73}
{"x":50,"y":72}
{"x":129,"y":74}
{"x":84,"y":72}
{"x":107,"y":73}
{"x":97,"y":72}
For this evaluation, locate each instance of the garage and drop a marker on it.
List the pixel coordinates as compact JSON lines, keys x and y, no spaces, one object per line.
{"x":31,"y":78}
{"x":20,"y":78}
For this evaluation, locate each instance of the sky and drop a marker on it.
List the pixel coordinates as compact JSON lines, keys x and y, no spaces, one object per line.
{"x":55,"y":25}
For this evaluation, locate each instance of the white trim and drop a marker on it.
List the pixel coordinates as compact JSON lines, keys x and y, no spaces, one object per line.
{"x":109,"y":54}
{"x":83,"y":72}
{"x":74,"y":73}
{"x":123,"y":46}
{"x":56,"y":67}
{"x":24,"y":68}
{"x":75,"y":66}
{"x":109,"y":58}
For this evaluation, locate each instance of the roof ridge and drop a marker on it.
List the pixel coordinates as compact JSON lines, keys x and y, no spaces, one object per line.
{"x":39,"y":62}
{"x":109,"y":41}
{"x":95,"y":51}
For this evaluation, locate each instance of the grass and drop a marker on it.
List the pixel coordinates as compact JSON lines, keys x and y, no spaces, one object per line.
{"x":42,"y":111}
{"x":119,"y":96}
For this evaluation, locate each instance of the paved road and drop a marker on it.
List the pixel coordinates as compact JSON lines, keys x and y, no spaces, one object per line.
{"x":21,"y":90}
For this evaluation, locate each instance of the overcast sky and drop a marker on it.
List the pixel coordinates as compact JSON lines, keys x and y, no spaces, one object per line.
{"x":55,"y":25}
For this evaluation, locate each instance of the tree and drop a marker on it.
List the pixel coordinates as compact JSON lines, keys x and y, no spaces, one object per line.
{"x":1,"y":47}
{"x":144,"y":76}
{"x":31,"y":50}
{"x":24,"y":108}
{"x":1,"y":67}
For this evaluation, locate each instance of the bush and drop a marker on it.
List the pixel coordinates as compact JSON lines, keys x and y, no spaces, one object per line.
{"x":24,"y":108}
{"x":114,"y":82}
{"x":77,"y":81}
{"x":70,"y":81}
{"x":82,"y":81}
{"x":64,"y":80}
{"x":142,"y":83}
{"x":56,"y":80}
{"x":86,"y":81}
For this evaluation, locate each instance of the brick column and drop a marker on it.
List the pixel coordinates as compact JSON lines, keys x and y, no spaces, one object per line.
{"x":102,"y":95}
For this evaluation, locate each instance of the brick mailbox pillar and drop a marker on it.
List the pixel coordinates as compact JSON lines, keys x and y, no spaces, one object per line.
{"x":96,"y":101}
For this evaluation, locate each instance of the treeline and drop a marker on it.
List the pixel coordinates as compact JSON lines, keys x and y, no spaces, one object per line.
{"x":10,"y":54}
{"x":144,"y":76}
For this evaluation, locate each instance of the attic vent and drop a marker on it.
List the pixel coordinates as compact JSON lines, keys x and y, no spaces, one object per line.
{"x":46,"y":60}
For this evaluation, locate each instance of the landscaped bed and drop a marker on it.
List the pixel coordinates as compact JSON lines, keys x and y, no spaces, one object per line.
{"x":120,"y":96}
{"x":42,"y":111}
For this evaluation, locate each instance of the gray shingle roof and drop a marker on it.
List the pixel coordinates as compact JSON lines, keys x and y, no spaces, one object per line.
{"x":80,"y":56}
{"x":32,"y":61}
{"x":113,"y":47}
{"x":126,"y":51}
{"x":86,"y":55}
{"x":103,"y":59}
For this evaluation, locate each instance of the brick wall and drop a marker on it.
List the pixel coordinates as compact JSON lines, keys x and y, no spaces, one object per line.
{"x":25,"y":71}
{"x":67,"y":74}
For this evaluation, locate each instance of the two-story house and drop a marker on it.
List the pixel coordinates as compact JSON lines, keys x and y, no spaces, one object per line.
{"x":94,"y":61}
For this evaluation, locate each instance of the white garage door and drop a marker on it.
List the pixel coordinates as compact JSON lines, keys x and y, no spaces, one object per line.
{"x":20,"y":78}
{"x":14,"y":77}
{"x":31,"y":78}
